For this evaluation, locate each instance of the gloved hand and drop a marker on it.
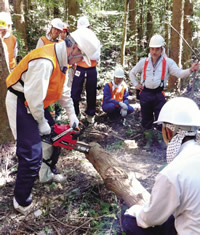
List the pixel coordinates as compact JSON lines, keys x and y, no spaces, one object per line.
{"x":123,"y":112}
{"x":44,"y":128}
{"x":123,"y":105}
{"x":133,"y":211}
{"x":73,"y":119}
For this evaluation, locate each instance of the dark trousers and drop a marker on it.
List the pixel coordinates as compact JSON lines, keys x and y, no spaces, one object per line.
{"x":130,"y":227}
{"x":29,"y":153}
{"x":111,"y":109}
{"x":151,"y":104}
{"x":90,"y":74}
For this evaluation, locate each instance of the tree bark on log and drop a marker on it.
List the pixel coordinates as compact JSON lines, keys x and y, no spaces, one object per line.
{"x":116,"y":179}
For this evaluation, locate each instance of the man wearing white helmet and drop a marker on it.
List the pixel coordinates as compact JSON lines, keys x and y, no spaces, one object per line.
{"x":38,"y":81}
{"x":88,"y":72}
{"x":115,"y":99}
{"x":155,"y":71}
{"x":177,"y":187}
{"x":53,"y":33}
{"x":8,"y":38}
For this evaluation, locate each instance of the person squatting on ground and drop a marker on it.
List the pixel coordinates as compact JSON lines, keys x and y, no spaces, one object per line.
{"x":53,"y":33}
{"x":177,"y":187}
{"x":37,"y":82}
{"x":8,"y":38}
{"x":88,"y":72}
{"x":155,"y":71}
{"x":115,"y":98}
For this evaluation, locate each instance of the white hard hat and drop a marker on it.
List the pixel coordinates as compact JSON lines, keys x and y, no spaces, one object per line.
{"x":119,"y":73}
{"x":87,"y":42}
{"x":83,"y":22}
{"x":6,"y":17}
{"x":157,"y":41}
{"x":180,"y":111}
{"x":3,"y":24}
{"x":57,"y":23}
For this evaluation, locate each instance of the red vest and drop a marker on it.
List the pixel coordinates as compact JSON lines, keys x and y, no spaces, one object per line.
{"x":116,"y":95}
{"x":57,"y":78}
{"x":10,"y":43}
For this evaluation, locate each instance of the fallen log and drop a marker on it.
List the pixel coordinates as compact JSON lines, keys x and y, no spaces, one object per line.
{"x":123,"y":184}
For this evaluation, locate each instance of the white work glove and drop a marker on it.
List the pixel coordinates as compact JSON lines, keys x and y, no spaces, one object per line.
{"x":123,"y":105}
{"x":133,"y":211}
{"x":44,"y":128}
{"x":123,"y":112}
{"x":73,"y":119}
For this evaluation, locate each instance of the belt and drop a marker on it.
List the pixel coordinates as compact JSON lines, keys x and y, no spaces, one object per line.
{"x":156,"y":90}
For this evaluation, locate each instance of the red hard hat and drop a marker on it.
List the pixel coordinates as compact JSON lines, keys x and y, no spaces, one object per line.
{"x":65,"y":27}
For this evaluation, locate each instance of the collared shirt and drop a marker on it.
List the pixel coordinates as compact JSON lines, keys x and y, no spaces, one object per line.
{"x":153,"y":74}
{"x":176,"y":191}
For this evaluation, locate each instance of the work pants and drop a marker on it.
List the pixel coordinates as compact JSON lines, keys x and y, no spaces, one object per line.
{"x":112,"y":110}
{"x":29,"y":153}
{"x":90,"y":74}
{"x":151,"y":103}
{"x":130,"y":227}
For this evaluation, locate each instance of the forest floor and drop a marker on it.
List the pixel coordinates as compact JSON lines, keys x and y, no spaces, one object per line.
{"x":82,"y":204}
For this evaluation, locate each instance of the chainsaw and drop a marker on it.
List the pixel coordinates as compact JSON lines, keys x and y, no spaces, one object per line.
{"x":64,"y":136}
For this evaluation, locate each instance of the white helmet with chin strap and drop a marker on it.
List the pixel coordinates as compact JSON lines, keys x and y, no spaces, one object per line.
{"x":6,"y":17}
{"x":182,"y":112}
{"x":83,"y":22}
{"x":157,"y":41}
{"x":119,"y":73}
{"x":57,"y":23}
{"x":181,"y":115}
{"x":87,"y":42}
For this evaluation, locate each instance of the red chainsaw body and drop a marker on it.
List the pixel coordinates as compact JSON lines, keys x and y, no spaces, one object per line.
{"x":67,"y":140}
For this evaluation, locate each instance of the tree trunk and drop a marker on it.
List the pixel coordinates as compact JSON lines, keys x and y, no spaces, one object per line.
{"x":5,"y":132}
{"x":124,"y":37}
{"x":133,"y":28}
{"x":150,"y":30}
{"x":4,"y":5}
{"x":116,"y":179}
{"x":73,"y":9}
{"x":19,"y":21}
{"x":140,"y":26}
{"x":188,"y":33}
{"x":175,"y":40}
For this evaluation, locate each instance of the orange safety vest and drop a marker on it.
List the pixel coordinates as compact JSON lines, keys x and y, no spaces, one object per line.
{"x":57,"y":78}
{"x":10,"y":43}
{"x":115,"y":94}
{"x":47,"y":41}
{"x":84,"y":65}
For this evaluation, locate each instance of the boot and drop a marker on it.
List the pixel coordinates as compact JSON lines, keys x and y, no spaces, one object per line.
{"x":159,"y":139}
{"x":148,"y":135}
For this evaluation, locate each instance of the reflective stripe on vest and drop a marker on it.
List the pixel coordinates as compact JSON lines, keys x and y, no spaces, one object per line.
{"x":84,"y":65}
{"x":117,"y":95}
{"x":164,"y":63}
{"x":10,"y":43}
{"x":46,"y":41}
{"x":57,"y":79}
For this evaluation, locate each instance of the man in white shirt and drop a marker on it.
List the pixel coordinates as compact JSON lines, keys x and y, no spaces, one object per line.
{"x":86,"y":73}
{"x":177,"y":187}
{"x":155,"y":71}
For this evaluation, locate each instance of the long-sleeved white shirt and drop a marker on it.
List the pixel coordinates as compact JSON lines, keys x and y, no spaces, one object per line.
{"x":176,"y":191}
{"x":153,"y":75}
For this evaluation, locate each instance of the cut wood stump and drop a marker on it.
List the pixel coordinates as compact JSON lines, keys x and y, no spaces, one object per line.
{"x":123,"y":184}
